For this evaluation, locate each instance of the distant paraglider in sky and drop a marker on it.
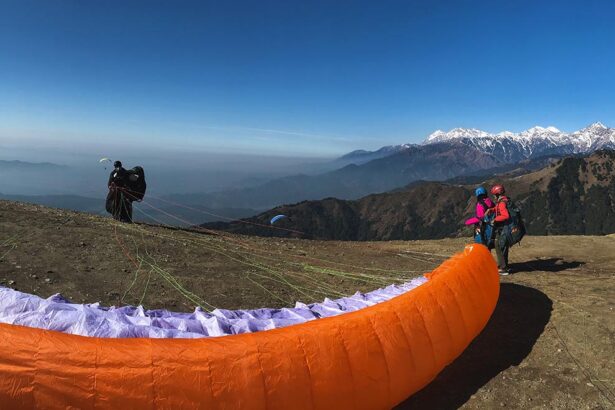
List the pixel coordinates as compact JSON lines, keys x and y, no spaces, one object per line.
{"x":105,"y":161}
{"x":277,"y":218}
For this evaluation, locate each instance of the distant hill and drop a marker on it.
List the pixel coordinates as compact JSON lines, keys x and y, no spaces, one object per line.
{"x":22,"y":165}
{"x":575,"y":195}
{"x":29,"y":178}
{"x":360,"y":156}
{"x":430,"y":162}
{"x":443,"y":155}
{"x":69,"y":202}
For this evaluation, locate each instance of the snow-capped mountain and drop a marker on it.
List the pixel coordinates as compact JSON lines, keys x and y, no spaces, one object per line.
{"x":531,"y":143}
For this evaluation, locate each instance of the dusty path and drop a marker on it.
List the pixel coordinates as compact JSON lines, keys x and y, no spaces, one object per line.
{"x":550,"y":343}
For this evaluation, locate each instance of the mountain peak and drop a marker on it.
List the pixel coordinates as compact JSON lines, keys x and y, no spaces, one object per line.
{"x":596,"y":126}
{"x":435,"y":136}
{"x":538,"y":129}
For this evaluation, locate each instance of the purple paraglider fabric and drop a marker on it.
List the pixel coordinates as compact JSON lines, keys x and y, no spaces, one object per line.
{"x":59,"y":314}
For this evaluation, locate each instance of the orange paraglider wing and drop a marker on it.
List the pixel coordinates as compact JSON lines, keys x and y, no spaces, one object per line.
{"x":373,"y":358}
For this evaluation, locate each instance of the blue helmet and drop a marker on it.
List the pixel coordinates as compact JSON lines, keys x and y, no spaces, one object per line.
{"x":480,"y":191}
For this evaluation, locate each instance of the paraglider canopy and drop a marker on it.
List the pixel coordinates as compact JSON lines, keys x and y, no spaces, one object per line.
{"x":277,"y":218}
{"x":105,"y":161}
{"x":136,"y":183}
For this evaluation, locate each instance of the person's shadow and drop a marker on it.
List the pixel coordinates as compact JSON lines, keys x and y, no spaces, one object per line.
{"x":545,"y":265}
{"x":519,"y":319}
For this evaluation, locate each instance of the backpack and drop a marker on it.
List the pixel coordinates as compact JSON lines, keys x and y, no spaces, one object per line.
{"x":515,"y":228}
{"x":136,"y":184}
{"x":485,"y":234}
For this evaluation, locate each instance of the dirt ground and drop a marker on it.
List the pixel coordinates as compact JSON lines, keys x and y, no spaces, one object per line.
{"x":550,"y":343}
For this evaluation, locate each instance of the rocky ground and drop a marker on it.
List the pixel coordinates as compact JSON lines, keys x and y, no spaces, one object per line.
{"x":550,"y":343}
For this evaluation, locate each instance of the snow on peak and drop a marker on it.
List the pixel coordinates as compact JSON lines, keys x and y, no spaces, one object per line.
{"x":535,"y":129}
{"x":595,"y":136}
{"x":394,"y":148}
{"x":541,"y":130}
{"x":456,"y":133}
{"x":596,"y":126}
{"x":435,"y":136}
{"x":533,"y":140}
{"x":474,"y":134}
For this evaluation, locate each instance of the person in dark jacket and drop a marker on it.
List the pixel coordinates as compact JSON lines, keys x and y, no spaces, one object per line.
{"x":118,"y":203}
{"x":118,"y":176}
{"x":502,"y":217}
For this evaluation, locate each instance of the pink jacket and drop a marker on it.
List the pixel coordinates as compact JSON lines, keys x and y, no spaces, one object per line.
{"x":480,"y":212}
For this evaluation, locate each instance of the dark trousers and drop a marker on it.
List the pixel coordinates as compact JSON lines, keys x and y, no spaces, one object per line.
{"x":119,"y":206}
{"x":501,"y":249}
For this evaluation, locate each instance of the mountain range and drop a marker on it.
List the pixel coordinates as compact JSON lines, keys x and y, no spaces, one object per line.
{"x":575,"y":195}
{"x":443,"y":155}
{"x":30,"y":178}
{"x":432,"y":162}
{"x":360,"y":156}
{"x":461,"y":156}
{"x":531,"y":143}
{"x":23,"y":165}
{"x":509,"y":146}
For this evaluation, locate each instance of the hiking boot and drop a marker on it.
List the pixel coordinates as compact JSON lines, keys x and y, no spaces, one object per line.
{"x":503,"y":272}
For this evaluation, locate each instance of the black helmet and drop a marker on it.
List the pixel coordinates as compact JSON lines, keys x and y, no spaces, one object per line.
{"x":117,"y":164}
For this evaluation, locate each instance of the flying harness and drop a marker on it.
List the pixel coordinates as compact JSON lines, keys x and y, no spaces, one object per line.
{"x":485,"y":232}
{"x":130,"y":188}
{"x":513,"y":230}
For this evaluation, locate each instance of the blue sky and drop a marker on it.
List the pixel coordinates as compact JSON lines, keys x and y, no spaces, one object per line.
{"x":298,"y":77}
